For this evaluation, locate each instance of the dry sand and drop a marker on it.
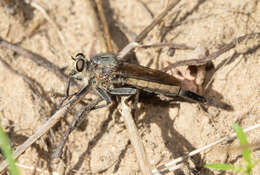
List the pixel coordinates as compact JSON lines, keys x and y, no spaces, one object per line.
{"x":101,"y":145}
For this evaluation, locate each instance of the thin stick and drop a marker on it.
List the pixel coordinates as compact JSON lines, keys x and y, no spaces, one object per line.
{"x":75,"y":123}
{"x":50,"y":123}
{"x":156,"y":20}
{"x":96,"y":31}
{"x":135,"y":139}
{"x":105,"y":26}
{"x":172,"y":45}
{"x":48,"y":18}
{"x":214,"y":55}
{"x":29,"y":81}
{"x":146,"y":8}
{"x":133,"y":45}
{"x":170,"y":165}
{"x":129,"y":47}
{"x":38,"y":59}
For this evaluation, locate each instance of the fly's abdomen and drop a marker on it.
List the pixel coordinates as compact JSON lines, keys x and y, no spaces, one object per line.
{"x":167,"y":90}
{"x":153,"y":87}
{"x":161,"y":89}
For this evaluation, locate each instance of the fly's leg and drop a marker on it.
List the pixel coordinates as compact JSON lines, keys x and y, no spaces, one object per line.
{"x":68,"y":84}
{"x":72,"y":75}
{"x":127,"y":91}
{"x":67,"y":91}
{"x":104,"y":95}
{"x":191,"y":96}
{"x":75,"y":123}
{"x":136,"y":99}
{"x":123,"y":91}
{"x":116,"y":91}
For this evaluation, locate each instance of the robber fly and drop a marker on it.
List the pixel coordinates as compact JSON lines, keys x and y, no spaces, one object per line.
{"x":110,"y":76}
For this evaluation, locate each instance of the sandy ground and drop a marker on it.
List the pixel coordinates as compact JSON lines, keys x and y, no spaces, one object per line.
{"x":101,"y":145}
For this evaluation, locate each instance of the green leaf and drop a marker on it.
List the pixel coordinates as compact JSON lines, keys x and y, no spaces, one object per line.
{"x":220,"y":166}
{"x":7,"y":151}
{"x":246,"y":151}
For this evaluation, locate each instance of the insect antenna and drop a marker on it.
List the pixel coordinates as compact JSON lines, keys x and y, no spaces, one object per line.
{"x":73,"y":58}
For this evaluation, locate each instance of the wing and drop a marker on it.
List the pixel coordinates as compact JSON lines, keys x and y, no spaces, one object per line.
{"x":145,"y":73}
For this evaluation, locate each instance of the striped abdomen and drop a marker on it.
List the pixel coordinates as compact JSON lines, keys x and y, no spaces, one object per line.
{"x":154,"y":87}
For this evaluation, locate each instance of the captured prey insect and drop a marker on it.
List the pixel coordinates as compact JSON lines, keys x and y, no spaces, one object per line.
{"x":109,"y":76}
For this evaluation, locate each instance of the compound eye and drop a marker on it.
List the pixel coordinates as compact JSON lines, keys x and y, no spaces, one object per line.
{"x":80,"y":65}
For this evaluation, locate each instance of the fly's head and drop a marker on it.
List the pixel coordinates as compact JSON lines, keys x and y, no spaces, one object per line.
{"x":83,"y":69}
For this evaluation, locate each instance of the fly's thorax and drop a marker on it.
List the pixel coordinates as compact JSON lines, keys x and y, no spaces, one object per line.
{"x":107,"y":60}
{"x":104,"y":77}
{"x":119,"y":80}
{"x":102,"y":72}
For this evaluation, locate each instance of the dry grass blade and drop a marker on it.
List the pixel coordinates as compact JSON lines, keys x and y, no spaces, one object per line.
{"x":214,"y":55}
{"x":129,"y":47}
{"x":143,"y":34}
{"x":172,"y":45}
{"x":134,"y":45}
{"x":156,"y":20}
{"x":104,"y":23}
{"x":75,"y":123}
{"x":135,"y":139}
{"x":38,"y":59}
{"x":96,"y":30}
{"x":50,"y":123}
{"x":170,"y":166}
{"x":48,"y":18}
{"x":30,"y":82}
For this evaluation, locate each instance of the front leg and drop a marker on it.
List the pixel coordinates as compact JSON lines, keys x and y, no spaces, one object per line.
{"x":104,"y":95}
{"x":116,"y":91}
{"x":127,"y":91}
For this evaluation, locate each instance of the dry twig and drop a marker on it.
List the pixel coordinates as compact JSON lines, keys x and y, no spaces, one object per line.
{"x":96,"y":31}
{"x":214,"y":55}
{"x":75,"y":123}
{"x":135,"y":138}
{"x":171,"y":165}
{"x":105,"y":25}
{"x":50,"y":123}
{"x":156,"y":21}
{"x":143,"y":34}
{"x":171,"y":45}
{"x":48,"y":18}
{"x":38,"y":59}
